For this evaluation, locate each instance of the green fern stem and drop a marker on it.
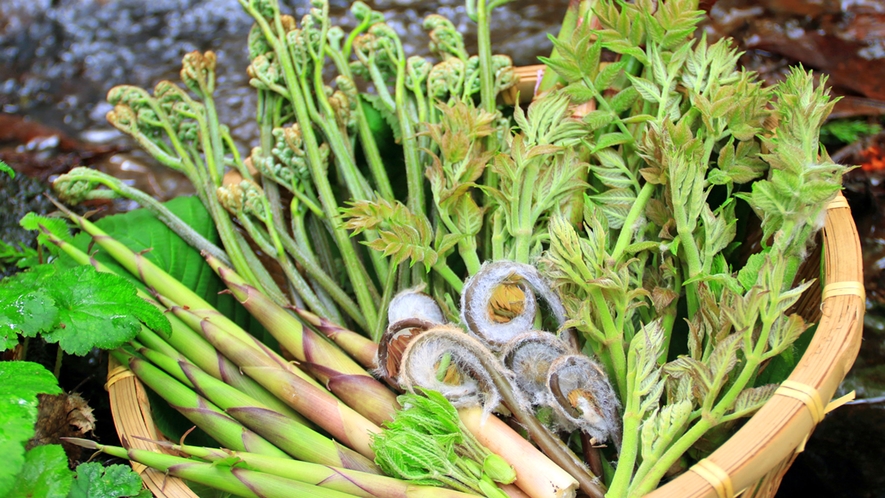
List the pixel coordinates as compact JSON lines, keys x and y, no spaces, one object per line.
{"x":524,"y":219}
{"x":636,"y":210}
{"x":614,"y":343}
{"x":442,"y":268}
{"x":353,"y":266}
{"x":367,"y":139}
{"x":631,"y":440}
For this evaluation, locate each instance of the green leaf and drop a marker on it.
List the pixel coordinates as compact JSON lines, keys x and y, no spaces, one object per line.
{"x":647,"y":90}
{"x":21,"y":382}
{"x":45,"y":474}
{"x":749,"y":274}
{"x":597,"y":119}
{"x":4,"y":168}
{"x":141,"y":231}
{"x":752,"y":399}
{"x":25,"y":308}
{"x":79,"y":308}
{"x":567,"y":69}
{"x":114,"y":481}
{"x":624,"y":99}
{"x":98,"y":310}
{"x":22,"y":256}
{"x":780,"y":367}
{"x":612,"y":139}
{"x":607,"y":76}
{"x":379,"y":115}
{"x":56,"y":226}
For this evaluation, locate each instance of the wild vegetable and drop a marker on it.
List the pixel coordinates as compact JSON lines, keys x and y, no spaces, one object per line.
{"x":616,"y":201}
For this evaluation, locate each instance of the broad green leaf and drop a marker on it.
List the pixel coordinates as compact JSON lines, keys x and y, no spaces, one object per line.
{"x":114,"y":481}
{"x":97,"y":310}
{"x":20,"y":383}
{"x":77,"y":307}
{"x":141,"y":231}
{"x":24,"y":307}
{"x":45,"y":474}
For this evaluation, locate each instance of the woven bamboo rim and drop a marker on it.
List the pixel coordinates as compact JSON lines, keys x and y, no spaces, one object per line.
{"x":751,"y":463}
{"x":133,"y":420}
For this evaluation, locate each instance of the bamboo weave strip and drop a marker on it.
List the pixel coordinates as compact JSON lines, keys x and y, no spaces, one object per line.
{"x":847,"y":288}
{"x":838,"y":202}
{"x":808,"y":395}
{"x":118,"y":373}
{"x":716,"y":476}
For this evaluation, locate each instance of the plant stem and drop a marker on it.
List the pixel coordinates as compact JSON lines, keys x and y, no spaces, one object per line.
{"x":389,"y":287}
{"x":450,"y":277}
{"x":182,"y":229}
{"x":59,"y":356}
{"x":525,"y":221}
{"x":355,"y":270}
{"x":636,"y":210}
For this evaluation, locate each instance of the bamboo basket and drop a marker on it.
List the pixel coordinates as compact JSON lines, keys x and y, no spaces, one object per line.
{"x":753,"y":461}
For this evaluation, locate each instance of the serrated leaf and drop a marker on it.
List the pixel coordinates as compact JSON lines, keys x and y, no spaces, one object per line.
{"x":751,"y":399}
{"x":724,"y":357}
{"x":21,"y":382}
{"x":45,"y":474}
{"x":566,"y":69}
{"x":749,"y":274}
{"x":785,"y":331}
{"x":97,"y":481}
{"x":782,"y":365}
{"x":615,"y":203}
{"x":56,"y":226}
{"x":647,"y":89}
{"x":597,"y":119}
{"x":579,"y":93}
{"x":97,"y":310}
{"x":624,"y":99}
{"x":612,"y":139}
{"x":468,"y":216}
{"x":25,"y":308}
{"x":376,"y":104}
{"x":648,"y":245}
{"x":608,"y":74}
{"x":697,"y":371}
{"x":638,"y":118}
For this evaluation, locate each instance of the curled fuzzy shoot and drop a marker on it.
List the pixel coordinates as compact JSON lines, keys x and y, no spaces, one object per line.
{"x":582,"y":396}
{"x":499,"y":302}
{"x":394,"y":342}
{"x":529,"y":356}
{"x":451,"y":362}
{"x":412,"y":303}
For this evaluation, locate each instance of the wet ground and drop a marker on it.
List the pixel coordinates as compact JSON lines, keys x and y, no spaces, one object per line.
{"x":58,"y":58}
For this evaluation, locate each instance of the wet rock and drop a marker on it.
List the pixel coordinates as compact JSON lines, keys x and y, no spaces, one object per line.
{"x":844,"y":39}
{"x":58,"y":59}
